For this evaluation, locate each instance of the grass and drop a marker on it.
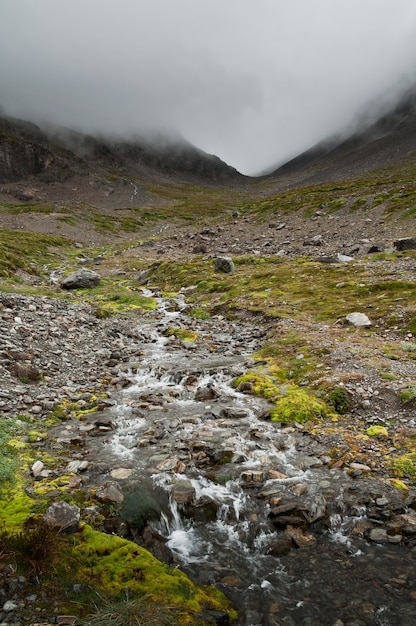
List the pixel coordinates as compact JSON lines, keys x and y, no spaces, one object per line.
{"x":115,"y":295}
{"x":8,"y":461}
{"x":277,"y":288}
{"x":26,"y":251}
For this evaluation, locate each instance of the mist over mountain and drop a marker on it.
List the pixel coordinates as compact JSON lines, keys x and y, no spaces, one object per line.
{"x":57,"y":154}
{"x":254,"y":83}
{"x":382,"y":143}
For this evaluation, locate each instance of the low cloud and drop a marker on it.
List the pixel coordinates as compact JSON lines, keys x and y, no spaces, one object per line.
{"x":252,"y":82}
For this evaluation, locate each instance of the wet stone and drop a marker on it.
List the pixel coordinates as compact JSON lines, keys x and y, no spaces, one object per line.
{"x":378,"y":535}
{"x":121,"y":473}
{"x":183,"y":492}
{"x":110,"y":493}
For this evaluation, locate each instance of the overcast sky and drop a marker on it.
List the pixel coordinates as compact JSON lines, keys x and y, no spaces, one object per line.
{"x":252,"y":81}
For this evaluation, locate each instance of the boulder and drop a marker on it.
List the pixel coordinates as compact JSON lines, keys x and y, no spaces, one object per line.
{"x":280,"y":546}
{"x":407,"y":243}
{"x":110,"y":493}
{"x":224,"y":264}
{"x":316,"y":240}
{"x":81,"y":279}
{"x":183,"y":492}
{"x":358,"y":319}
{"x":63,"y":516}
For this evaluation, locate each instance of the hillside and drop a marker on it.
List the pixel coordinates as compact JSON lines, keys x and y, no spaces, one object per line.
{"x":383,"y":144}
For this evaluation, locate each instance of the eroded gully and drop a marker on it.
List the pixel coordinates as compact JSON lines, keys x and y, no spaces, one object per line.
{"x":247,"y":505}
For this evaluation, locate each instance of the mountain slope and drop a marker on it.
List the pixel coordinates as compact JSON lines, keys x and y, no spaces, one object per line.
{"x":383,"y":144}
{"x":27,"y":152}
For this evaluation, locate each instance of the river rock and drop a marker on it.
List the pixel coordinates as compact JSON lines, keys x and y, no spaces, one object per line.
{"x":37,"y":468}
{"x":209,"y":392}
{"x":280,"y":546}
{"x":316,"y":240}
{"x":77,"y":466}
{"x":233,"y":412}
{"x":183,"y":492}
{"x":378,"y":535}
{"x":174,"y":464}
{"x":224,"y":264}
{"x":63,"y":516}
{"x":81,"y":279}
{"x":301,"y":538}
{"x":120,"y":473}
{"x":9,"y":606}
{"x":110,"y":493}
{"x":252,"y":476}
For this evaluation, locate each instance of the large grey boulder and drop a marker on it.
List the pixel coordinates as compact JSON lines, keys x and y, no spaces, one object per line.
{"x":81,"y":279}
{"x":224,"y":264}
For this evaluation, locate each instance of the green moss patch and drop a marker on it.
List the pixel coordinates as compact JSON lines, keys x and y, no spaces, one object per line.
{"x":405,"y":466}
{"x":182,"y":333}
{"x":298,"y":405}
{"x":115,"y":565}
{"x":377,"y":431}
{"x":115,"y":296}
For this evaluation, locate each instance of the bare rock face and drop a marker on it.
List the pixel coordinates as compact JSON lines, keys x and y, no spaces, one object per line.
{"x":63,"y":516}
{"x":81,"y":279}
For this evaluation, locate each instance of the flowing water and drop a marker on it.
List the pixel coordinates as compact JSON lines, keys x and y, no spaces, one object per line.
{"x":221,"y":452}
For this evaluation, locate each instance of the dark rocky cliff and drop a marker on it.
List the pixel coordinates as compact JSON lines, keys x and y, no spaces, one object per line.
{"x":26,"y":151}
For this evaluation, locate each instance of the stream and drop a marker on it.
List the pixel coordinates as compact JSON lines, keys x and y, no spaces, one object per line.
{"x":248,"y":505}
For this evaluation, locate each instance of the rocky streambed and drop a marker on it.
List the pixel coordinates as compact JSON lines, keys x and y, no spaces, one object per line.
{"x":153,"y":426}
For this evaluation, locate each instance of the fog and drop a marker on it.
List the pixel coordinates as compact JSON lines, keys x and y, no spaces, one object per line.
{"x":253,"y":81}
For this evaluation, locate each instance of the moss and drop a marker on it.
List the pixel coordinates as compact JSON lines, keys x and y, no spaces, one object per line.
{"x":261,"y":385}
{"x":339,"y":399}
{"x":81,"y":412}
{"x":405,"y":466}
{"x":34,"y":436}
{"x":377,"y":431}
{"x":15,"y":508}
{"x":297,"y":405}
{"x":27,"y":251}
{"x":398,"y":484}
{"x":115,"y":565}
{"x":388,"y":376}
{"x":408,"y":395}
{"x":182,"y":333}
{"x":114,"y":296}
{"x":199,"y":313}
